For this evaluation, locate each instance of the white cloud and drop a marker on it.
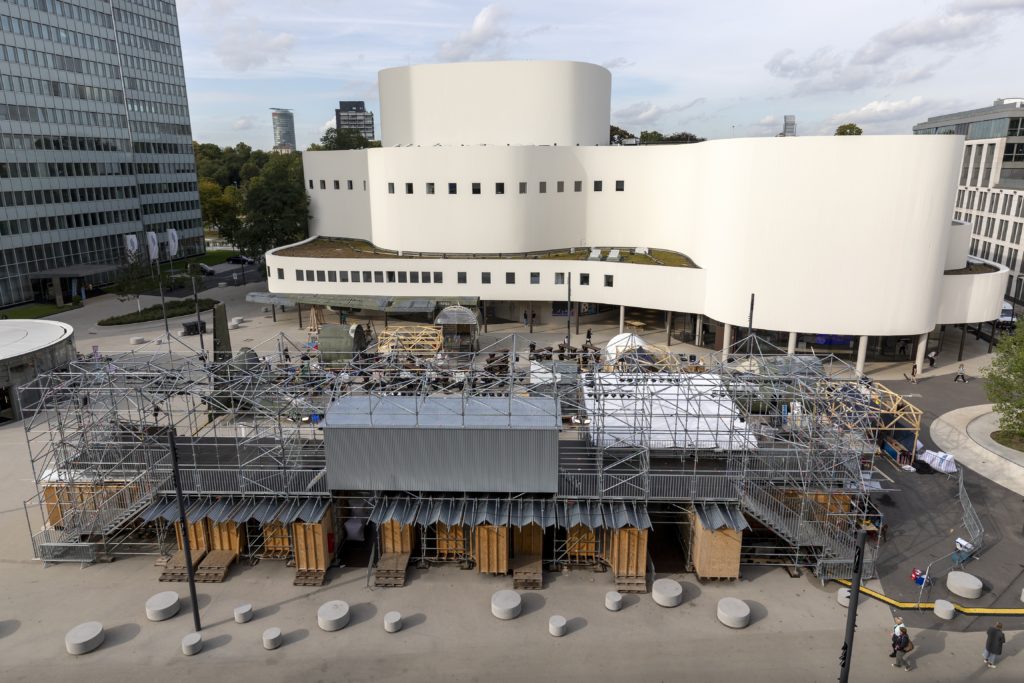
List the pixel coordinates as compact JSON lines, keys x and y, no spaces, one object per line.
{"x":242,"y":49}
{"x":486,"y":37}
{"x":769,"y":121}
{"x":243,"y":123}
{"x":618,"y":63}
{"x":786,"y":65}
{"x":884,"y":111}
{"x":642,"y":113}
{"x":329,"y":123}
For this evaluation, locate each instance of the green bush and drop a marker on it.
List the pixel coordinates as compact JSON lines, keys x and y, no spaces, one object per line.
{"x":174,"y":309}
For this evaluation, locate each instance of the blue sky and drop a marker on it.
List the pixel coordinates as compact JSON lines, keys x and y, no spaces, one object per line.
{"x":721,"y":69}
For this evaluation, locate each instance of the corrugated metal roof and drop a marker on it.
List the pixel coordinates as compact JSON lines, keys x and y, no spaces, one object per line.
{"x":478,"y":412}
{"x":623,"y":514}
{"x":401,"y":510}
{"x":266,"y":510}
{"x":162,"y":508}
{"x":222,"y":509}
{"x":585,"y":512}
{"x":716,"y":516}
{"x":313,"y":510}
{"x":245,"y":510}
{"x":491,"y":511}
{"x":530,"y":511}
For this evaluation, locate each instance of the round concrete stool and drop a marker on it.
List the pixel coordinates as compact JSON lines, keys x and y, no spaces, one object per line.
{"x":843,"y":597}
{"x":613,"y":601}
{"x":1022,"y":595}
{"x":557,"y":626}
{"x":243,"y":613}
{"x":667,"y":593}
{"x":272,"y":638}
{"x":734,"y":613}
{"x":333,"y":615}
{"x":944,"y":609}
{"x":84,"y":638}
{"x":192,"y":644}
{"x":163,"y":606}
{"x":506,"y":604}
{"x":393,"y":622}
{"x":135,"y":341}
{"x":963,"y":584}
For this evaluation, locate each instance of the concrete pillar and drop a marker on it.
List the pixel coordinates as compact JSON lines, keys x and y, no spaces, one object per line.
{"x":791,"y":347}
{"x":726,"y":341}
{"x":698,"y":331}
{"x":862,"y":354}
{"x":622,"y":319}
{"x":922,"y":348}
{"x":57,"y":291}
{"x":668,"y":328}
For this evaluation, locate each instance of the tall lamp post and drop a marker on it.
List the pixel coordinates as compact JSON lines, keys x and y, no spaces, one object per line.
{"x":186,"y":545}
{"x":846,"y":654}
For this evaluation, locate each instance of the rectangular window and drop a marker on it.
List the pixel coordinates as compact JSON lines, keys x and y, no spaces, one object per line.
{"x":323,"y":184}
{"x":364,"y":186}
{"x":414,"y":277}
{"x":559,"y":278}
{"x":425,"y":277}
{"x":367,"y":276}
{"x":355,"y":276}
{"x":609,"y":280}
{"x":499,"y":188}
{"x":461,"y":277}
{"x":337,"y":184}
{"x":332,"y":276}
{"x":408,"y":188}
{"x":584,"y":278}
{"x":542,"y":187}
{"x":534,"y":278}
{"x":453,"y":188}
{"x":522,"y":188}
{"x":577,"y":186}
{"x":280,"y":273}
{"x":391,"y":188}
{"x":299,"y":276}
{"x":598,"y":185}
{"x":378,"y":276}
{"x":391,"y":277}
{"x":438,"y":277}
{"x":321,"y":276}
{"x":510,"y":278}
{"x":485,"y":278}
{"x":403,"y":277}
{"x":311,"y":184}
{"x":430,"y":188}
{"x":620,"y":185}
{"x":342,"y":276}
{"x":349,"y":184}
{"x":475,"y":188}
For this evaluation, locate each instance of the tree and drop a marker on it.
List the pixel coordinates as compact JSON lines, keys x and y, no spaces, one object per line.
{"x":134,"y":277}
{"x":276,"y":207}
{"x":617,"y":134}
{"x":653,"y":137}
{"x":849,"y":129}
{"x":1005,"y":383}
{"x":220,"y":207}
{"x":345,"y":138}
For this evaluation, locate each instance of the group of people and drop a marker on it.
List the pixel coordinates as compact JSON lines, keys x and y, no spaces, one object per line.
{"x":902,"y":646}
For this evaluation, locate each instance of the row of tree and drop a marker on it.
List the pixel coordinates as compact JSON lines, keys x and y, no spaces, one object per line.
{"x":653,"y":137}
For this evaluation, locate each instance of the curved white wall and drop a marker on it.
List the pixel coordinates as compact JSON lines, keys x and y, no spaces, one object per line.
{"x":973,"y":298}
{"x":496,"y":103}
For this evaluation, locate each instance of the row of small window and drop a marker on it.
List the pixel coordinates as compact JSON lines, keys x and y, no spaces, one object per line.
{"x":993,"y":202}
{"x":74,"y":117}
{"x":34,"y":29}
{"x":152,"y":65}
{"x":349,"y":185}
{"x":169,"y":207}
{"x":1014,"y":151}
{"x":990,"y":228}
{"x":154,"y":87}
{"x":141,"y":21}
{"x":499,"y":188}
{"x":37,"y":86}
{"x":143,"y":43}
{"x":66,"y":195}
{"x":417,"y":277}
{"x":77,"y":220}
{"x":21,"y":55}
{"x":987,"y":252}
{"x":150,"y":107}
{"x":63,"y":142}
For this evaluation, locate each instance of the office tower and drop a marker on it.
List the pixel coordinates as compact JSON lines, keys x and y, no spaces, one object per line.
{"x":353,"y":116}
{"x":284,"y":130}
{"x":96,"y":143}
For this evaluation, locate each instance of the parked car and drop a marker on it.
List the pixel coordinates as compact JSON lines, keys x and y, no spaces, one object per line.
{"x":239,"y":259}
{"x":206,"y":270}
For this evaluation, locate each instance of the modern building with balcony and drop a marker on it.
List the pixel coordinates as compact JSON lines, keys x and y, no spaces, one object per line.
{"x":352,"y":115}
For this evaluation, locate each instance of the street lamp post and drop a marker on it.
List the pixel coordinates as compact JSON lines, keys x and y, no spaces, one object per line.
{"x":186,"y":545}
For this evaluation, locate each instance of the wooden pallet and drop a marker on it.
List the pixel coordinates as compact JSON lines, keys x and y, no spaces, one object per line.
{"x":309,"y":577}
{"x":390,"y":570}
{"x":706,"y":579}
{"x":214,"y":567}
{"x":176,"y":569}
{"x":527,"y":573}
{"x":631,"y":584}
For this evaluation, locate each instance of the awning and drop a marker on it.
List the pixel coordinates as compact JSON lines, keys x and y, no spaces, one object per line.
{"x":313,"y":510}
{"x":715,"y":516}
{"x":456,"y":315}
{"x":445,"y":510}
{"x":585,"y":512}
{"x":619,"y":515}
{"x":401,"y":510}
{"x":366,"y":303}
{"x":163,"y":508}
{"x":492,"y":511}
{"x":524,"y":512}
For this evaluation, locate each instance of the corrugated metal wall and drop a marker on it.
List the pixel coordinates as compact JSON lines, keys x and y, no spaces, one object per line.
{"x":460,"y":460}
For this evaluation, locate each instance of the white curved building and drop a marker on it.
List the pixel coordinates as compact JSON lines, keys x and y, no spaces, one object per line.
{"x":496,"y":184}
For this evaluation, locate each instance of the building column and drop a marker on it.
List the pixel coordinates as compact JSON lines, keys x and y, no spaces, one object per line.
{"x":726,"y":341}
{"x":57,"y":291}
{"x":698,"y":331}
{"x":668,"y":328}
{"x":862,"y":354}
{"x":922,"y":348}
{"x":963,"y":335}
{"x":622,"y":319}
{"x":791,"y":347}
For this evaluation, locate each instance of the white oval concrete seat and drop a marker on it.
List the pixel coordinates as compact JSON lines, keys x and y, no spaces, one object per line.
{"x":192,"y":644}
{"x":963,"y":584}
{"x":84,"y":638}
{"x":238,"y":320}
{"x":163,"y":606}
{"x":613,"y":601}
{"x":667,"y":592}
{"x":557,"y":626}
{"x":272,"y":638}
{"x":393,"y":622}
{"x":843,"y":597}
{"x":506,"y":604}
{"x":333,"y":615}
{"x":944,"y":609}
{"x":135,"y":341}
{"x":243,"y":613}
{"x":734,"y":613}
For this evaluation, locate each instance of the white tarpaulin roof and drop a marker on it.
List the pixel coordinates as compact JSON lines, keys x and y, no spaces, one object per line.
{"x":942,"y":462}
{"x":664,"y":411}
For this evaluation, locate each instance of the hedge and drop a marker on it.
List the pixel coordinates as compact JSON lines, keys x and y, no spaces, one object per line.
{"x":174,"y":309}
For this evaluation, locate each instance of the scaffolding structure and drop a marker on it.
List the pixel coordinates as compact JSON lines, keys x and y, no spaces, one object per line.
{"x":790,"y":441}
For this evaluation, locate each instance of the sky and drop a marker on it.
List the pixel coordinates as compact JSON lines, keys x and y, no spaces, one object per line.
{"x":716,"y":69}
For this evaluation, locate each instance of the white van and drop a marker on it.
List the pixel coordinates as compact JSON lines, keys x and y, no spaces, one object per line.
{"x":1007,"y":318}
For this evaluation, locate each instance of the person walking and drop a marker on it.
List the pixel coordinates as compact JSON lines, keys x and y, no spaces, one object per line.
{"x":994,"y":640}
{"x":961,"y":374}
{"x":931,"y":358}
{"x":590,"y":334}
{"x":913,"y":374}
{"x":896,"y":634}
{"x":903,"y":648}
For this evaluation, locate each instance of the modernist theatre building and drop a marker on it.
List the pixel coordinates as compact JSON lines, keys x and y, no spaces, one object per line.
{"x":496,"y":183}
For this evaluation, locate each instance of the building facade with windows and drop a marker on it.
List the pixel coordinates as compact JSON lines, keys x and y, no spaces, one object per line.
{"x":514,"y":195}
{"x":353,"y":116}
{"x":990,"y":189}
{"x":95,"y":142}
{"x":284,"y":129}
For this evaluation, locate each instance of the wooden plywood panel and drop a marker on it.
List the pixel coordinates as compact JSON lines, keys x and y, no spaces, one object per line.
{"x":198,"y":535}
{"x":313,"y":544}
{"x":396,"y":537}
{"x":451,"y":541}
{"x":227,"y":536}
{"x":581,"y":545}
{"x":276,"y":541}
{"x":715,"y":554}
{"x":61,"y":499}
{"x":626,"y":551}
{"x":491,"y":549}
{"x":528,"y":540}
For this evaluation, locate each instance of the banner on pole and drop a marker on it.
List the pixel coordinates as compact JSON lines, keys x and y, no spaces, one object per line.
{"x":172,"y":242}
{"x":131,"y":244}
{"x":154,"y":246}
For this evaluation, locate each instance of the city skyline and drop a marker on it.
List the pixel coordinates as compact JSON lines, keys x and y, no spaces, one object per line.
{"x":882,"y":66}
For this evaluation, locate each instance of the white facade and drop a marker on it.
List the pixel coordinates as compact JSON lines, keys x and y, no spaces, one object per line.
{"x":839,"y":235}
